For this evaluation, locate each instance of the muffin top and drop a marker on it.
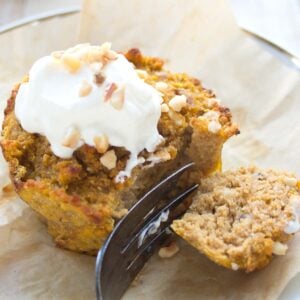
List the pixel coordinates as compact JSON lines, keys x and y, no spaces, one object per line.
{"x":83,"y":155}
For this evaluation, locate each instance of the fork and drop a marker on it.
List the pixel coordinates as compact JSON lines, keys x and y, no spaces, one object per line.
{"x":136,"y":237}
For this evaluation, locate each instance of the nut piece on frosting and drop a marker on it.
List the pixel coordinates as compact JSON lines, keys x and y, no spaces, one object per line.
{"x":101,"y":143}
{"x":69,"y":154}
{"x":116,"y":104}
{"x":72,"y":138}
{"x":241,"y":218}
{"x":109,"y":159}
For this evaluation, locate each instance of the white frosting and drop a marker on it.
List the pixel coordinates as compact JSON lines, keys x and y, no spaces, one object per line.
{"x":50,"y":104}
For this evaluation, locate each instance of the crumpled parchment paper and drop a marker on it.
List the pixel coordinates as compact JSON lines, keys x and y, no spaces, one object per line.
{"x":199,"y":37}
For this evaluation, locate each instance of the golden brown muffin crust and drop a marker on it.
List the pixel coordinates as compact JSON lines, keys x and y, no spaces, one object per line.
{"x":37,"y":173}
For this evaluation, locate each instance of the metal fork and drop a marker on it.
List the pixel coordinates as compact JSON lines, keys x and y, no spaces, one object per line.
{"x":137,"y":236}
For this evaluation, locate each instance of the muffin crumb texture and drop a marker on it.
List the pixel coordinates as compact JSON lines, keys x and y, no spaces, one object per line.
{"x":241,"y":218}
{"x":79,"y":196}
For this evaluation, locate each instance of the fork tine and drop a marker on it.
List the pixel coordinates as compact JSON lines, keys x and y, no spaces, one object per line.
{"x":116,"y":287}
{"x":111,"y":266}
{"x":155,"y":215}
{"x":134,"y":253}
{"x":139,"y":261}
{"x":149,"y":201}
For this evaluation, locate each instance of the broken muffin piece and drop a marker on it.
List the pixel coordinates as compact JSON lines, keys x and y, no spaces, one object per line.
{"x":78,"y":195}
{"x":241,"y":219}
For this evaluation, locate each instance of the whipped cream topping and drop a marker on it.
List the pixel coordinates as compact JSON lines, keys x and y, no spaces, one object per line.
{"x":92,"y":95}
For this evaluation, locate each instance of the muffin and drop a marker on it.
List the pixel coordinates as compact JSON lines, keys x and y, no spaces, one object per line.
{"x":90,"y":130}
{"x":241,"y":219}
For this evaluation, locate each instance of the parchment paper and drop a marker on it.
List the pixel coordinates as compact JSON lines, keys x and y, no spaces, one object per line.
{"x":199,"y":37}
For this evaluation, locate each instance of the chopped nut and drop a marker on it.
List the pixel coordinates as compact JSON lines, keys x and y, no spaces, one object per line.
{"x":101,"y":143}
{"x":142,"y":73}
{"x":85,"y":89}
{"x":214,"y":126}
{"x":71,"y":62}
{"x":190,"y":100}
{"x":161,"y":86}
{"x":163,"y":155}
{"x":99,"y":78}
{"x":176,"y":118}
{"x":178,"y":102}
{"x":290,"y":181}
{"x":93,"y":55}
{"x":109,"y":159}
{"x":117,"y":99}
{"x":111,"y":55}
{"x":234,"y":266}
{"x":72,"y":138}
{"x":158,"y":157}
{"x":211,"y":115}
{"x":164,"y":107}
{"x":212,"y":101}
{"x":109,"y":91}
{"x":107,"y":52}
{"x":169,"y":251}
{"x":279,"y":248}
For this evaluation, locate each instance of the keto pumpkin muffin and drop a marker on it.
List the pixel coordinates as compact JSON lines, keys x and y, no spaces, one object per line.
{"x":241,"y":219}
{"x":90,"y":130}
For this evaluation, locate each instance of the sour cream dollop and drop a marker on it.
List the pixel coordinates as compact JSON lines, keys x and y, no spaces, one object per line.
{"x":86,"y":93}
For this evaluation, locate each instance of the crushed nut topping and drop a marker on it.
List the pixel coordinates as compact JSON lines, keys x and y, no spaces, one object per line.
{"x":214,"y":126}
{"x":213,"y":101}
{"x":212,"y":117}
{"x":95,"y":56}
{"x":163,"y":155}
{"x":168,"y":251}
{"x":99,"y":78}
{"x":109,"y":54}
{"x":71,"y":62}
{"x":164,"y":107}
{"x":234,"y":266}
{"x":178,"y":102}
{"x":176,"y":118}
{"x":279,"y":248}
{"x":72,"y":138}
{"x":158,"y":157}
{"x":109,"y":91}
{"x":117,"y":98}
{"x":142,"y":73}
{"x":109,"y":159}
{"x":85,"y":89}
{"x":161,"y":86}
{"x":101,"y":143}
{"x":290,"y":181}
